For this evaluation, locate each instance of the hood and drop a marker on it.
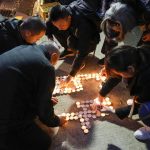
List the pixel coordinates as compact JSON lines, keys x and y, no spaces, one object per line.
{"x":121,"y":13}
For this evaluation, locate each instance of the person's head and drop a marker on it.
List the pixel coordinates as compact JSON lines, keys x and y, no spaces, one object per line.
{"x":60,"y":17}
{"x":122,"y":61}
{"x":32,"y":29}
{"x":51,"y":52}
{"x":119,"y":19}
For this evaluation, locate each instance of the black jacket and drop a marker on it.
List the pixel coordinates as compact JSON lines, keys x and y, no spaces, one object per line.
{"x":27,"y":81}
{"x":83,"y":31}
{"x":10,"y":36}
{"x":139,"y":85}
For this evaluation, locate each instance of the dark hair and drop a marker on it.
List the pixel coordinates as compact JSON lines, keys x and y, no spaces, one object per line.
{"x":33,"y":24}
{"x":58,"y":12}
{"x":120,"y":58}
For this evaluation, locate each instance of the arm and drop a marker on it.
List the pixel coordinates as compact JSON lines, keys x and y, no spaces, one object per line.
{"x":49,"y":30}
{"x":109,"y":85}
{"x":45,"y":110}
{"x":85,"y":43}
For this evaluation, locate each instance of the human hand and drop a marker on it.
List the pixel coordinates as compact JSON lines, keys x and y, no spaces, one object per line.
{"x":146,"y":38}
{"x":97,"y":103}
{"x":62,"y":120}
{"x":54,"y":100}
{"x":103,"y":72}
{"x":66,"y":81}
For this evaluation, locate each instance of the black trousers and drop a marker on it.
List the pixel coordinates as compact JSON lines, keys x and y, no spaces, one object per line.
{"x":143,"y":110}
{"x":30,"y":137}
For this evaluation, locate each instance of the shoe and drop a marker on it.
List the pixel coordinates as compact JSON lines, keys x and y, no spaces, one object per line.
{"x":66,"y":54}
{"x":101,"y":61}
{"x":142,"y":133}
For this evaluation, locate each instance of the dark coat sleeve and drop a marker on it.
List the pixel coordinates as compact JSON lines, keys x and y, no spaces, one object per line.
{"x":109,"y":85}
{"x":86,"y":42}
{"x":45,"y":108}
{"x":49,"y":30}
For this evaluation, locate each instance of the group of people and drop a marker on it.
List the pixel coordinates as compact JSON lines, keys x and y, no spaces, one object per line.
{"x":27,"y":75}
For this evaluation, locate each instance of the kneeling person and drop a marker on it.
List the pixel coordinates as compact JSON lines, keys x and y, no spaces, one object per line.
{"x":27,"y":78}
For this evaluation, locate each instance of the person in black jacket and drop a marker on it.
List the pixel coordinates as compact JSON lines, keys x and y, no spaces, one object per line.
{"x":123,"y":16}
{"x":27,"y":78}
{"x":75,"y":31}
{"x":15,"y":32}
{"x":132,"y":66}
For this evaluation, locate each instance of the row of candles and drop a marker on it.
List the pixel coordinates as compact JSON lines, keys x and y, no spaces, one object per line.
{"x":76,"y":82}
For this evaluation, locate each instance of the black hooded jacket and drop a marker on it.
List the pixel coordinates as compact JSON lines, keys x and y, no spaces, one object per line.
{"x":139,"y":85}
{"x":10,"y":36}
{"x":83,"y":34}
{"x":27,"y":80}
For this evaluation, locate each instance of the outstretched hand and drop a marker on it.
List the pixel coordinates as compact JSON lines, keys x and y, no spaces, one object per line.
{"x":62,"y":120}
{"x":54,"y":100}
{"x":66,"y":81}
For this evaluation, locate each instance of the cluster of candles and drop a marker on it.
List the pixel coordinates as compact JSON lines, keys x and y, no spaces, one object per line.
{"x":73,"y":86}
{"x":96,"y":76}
{"x":86,"y":113}
{"x":76,"y":83}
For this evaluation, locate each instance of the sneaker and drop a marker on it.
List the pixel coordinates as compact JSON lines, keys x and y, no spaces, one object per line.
{"x":66,"y":54}
{"x":101,"y":62}
{"x":142,"y":133}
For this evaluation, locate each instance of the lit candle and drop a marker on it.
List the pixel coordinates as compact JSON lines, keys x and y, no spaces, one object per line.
{"x":80,"y":116}
{"x":83,"y":127}
{"x":97,"y":101}
{"x":104,"y":103}
{"x":67,"y":118}
{"x":89,"y":111}
{"x":98,"y":113}
{"x":78,"y":106}
{"x":103,"y":78}
{"x":72,"y":114}
{"x":67,"y":114}
{"x":86,"y":131}
{"x":103,"y":114}
{"x":84,"y":108}
{"x":89,"y":115}
{"x":71,"y":117}
{"x":75,"y":117}
{"x":108,"y":103}
{"x":111,"y":107}
{"x":81,"y":120}
{"x":86,"y":119}
{"x":87,"y":123}
{"x":93,"y":111}
{"x":63,"y":114}
{"x":107,"y":98}
{"x":93,"y":116}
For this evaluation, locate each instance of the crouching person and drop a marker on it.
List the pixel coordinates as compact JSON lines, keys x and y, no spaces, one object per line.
{"x":132,"y":66}
{"x":27,"y":78}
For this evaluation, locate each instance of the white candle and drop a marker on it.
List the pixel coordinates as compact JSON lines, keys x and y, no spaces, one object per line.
{"x":71,"y":118}
{"x":83,"y":127}
{"x":77,"y":103}
{"x":103,"y":114}
{"x":81,"y":120}
{"x":86,"y":131}
{"x":72,"y":114}
{"x":63,"y":114}
{"x":93,"y":116}
{"x":67,"y":118}
{"x":75,"y":117}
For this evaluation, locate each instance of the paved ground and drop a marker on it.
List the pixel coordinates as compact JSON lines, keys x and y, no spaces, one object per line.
{"x":107,"y":133}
